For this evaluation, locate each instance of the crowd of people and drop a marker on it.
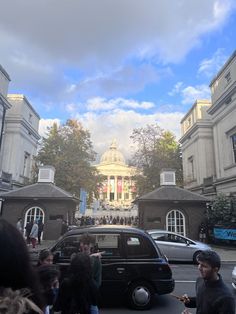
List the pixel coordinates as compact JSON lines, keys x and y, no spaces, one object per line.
{"x":108,"y":220}
{"x":33,"y":230}
{"x":43,"y":290}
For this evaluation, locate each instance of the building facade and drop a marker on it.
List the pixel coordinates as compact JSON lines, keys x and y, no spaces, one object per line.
{"x":118,"y":187}
{"x":20,"y":139}
{"x":209,"y":138}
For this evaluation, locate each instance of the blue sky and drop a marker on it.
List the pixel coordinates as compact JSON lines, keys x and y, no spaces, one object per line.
{"x":115,"y":65}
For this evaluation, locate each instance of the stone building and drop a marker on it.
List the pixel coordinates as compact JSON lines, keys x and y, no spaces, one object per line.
{"x":20,"y":139}
{"x":209,"y":138}
{"x":172,"y":208}
{"x":118,"y":188}
{"x":5,"y":178}
{"x":42,"y":200}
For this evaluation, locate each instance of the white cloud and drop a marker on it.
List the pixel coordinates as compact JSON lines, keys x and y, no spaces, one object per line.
{"x":176,"y":89}
{"x":102,"y":104}
{"x":191,"y":93}
{"x":209,"y":67}
{"x":44,"y":124}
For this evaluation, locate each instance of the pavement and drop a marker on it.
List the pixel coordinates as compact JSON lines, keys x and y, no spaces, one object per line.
{"x":226,"y":253}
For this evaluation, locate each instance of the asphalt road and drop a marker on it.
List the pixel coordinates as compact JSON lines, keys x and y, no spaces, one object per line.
{"x":185,"y":276}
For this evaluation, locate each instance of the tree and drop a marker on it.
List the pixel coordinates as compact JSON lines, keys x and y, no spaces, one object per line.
{"x":156,"y":149}
{"x":222,"y":211}
{"x":69,"y":149}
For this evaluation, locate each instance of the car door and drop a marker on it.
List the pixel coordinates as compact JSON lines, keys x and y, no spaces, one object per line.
{"x":160,"y":239}
{"x":113,"y":263}
{"x":179,"y":248}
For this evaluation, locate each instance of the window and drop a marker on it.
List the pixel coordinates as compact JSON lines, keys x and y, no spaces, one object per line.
{"x":109,"y":244}
{"x":34,"y":213}
{"x":228,"y":78}
{"x":191,"y":174}
{"x":26,"y":165}
{"x":138,"y":247}
{"x":30,"y":118}
{"x":175,"y":221}
{"x":234,"y":146}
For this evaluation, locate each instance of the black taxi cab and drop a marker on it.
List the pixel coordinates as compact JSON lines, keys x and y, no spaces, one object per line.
{"x":132,"y":264}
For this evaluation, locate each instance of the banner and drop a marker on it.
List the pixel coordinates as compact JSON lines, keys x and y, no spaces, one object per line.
{"x":83,"y":201}
{"x":104,"y":186}
{"x":119,"y":186}
{"x":225,"y":234}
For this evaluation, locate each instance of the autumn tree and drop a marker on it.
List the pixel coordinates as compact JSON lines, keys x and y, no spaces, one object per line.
{"x":156,"y":149}
{"x":69,"y":149}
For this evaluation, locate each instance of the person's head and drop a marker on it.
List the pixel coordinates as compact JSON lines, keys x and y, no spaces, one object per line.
{"x":45,"y":257}
{"x":80,"y":266}
{"x":19,"y":219}
{"x":16,"y":270}
{"x":87,"y":241}
{"x":209,"y":264}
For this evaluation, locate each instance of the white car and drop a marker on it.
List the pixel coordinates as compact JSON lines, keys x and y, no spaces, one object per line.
{"x":177,"y":247}
{"x":234,"y":278}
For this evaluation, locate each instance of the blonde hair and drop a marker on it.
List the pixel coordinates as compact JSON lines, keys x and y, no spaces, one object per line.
{"x":17,"y":302}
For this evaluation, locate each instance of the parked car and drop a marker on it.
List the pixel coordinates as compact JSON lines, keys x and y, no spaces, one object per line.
{"x":177,"y":247}
{"x":234,"y":278}
{"x":132,"y":264}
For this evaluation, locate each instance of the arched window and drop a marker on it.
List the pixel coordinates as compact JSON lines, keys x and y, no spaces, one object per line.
{"x":175,"y":221}
{"x":34,"y":213}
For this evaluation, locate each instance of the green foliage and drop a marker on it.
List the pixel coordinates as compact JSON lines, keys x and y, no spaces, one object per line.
{"x":69,"y":149}
{"x":222,"y":211}
{"x":156,"y":150}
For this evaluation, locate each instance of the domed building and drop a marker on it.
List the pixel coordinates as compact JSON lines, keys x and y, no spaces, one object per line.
{"x":118,"y":187}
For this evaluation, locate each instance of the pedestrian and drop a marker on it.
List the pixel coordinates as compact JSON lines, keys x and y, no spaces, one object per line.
{"x":28,"y":228}
{"x":77,"y":292}
{"x":49,"y":279}
{"x":34,"y":234}
{"x":19,"y":225}
{"x":16,"y":272}
{"x":87,"y":243}
{"x":40,"y":230}
{"x":202,"y":233}
{"x":212,"y":295}
{"x":45,"y":258}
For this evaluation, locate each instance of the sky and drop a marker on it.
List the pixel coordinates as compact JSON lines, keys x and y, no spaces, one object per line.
{"x":115,"y":65}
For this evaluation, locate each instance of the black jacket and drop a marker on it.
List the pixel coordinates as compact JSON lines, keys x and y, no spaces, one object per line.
{"x":212,"y":297}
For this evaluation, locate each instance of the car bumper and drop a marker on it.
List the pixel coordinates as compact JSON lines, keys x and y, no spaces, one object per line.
{"x":164,"y":286}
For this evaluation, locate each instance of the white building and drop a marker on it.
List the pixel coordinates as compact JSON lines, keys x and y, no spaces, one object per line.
{"x":20,"y":139}
{"x":209,"y":137}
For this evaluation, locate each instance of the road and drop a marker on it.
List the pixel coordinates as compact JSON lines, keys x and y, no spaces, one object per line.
{"x":185,"y":276}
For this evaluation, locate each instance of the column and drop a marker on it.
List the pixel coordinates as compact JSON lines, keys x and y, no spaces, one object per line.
{"x":122,"y":193}
{"x":130,"y":192}
{"x":108,"y":188}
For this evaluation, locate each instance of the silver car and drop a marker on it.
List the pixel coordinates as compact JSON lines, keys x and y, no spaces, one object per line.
{"x":234,"y":278}
{"x":177,"y":247}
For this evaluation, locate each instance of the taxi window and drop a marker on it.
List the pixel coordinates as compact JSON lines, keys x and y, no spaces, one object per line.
{"x":109,"y":244}
{"x":139,"y":247}
{"x":68,"y":246}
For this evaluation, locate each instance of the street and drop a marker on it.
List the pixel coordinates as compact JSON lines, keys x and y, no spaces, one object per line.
{"x":184,"y":275}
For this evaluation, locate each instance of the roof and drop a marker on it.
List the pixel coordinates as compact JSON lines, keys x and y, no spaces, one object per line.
{"x":40,"y":191}
{"x":172,"y":193}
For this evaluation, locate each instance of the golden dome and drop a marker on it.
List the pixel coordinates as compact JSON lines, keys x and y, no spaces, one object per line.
{"x":112,"y":155}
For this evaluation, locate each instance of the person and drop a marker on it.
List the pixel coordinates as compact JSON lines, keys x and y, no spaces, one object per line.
{"x":40,"y":230}
{"x":212,"y":295}
{"x":49,"y":279}
{"x":16,"y":270}
{"x":28,"y":228}
{"x":202,"y":233}
{"x":19,"y":225}
{"x":34,"y":234}
{"x":77,"y":292}
{"x":45,"y":257}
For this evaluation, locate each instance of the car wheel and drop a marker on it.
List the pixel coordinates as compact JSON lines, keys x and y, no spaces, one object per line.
{"x":195,"y":255}
{"x":140,"y":295}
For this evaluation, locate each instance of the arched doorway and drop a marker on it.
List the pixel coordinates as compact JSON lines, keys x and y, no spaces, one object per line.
{"x":175,"y":221}
{"x":34,"y":213}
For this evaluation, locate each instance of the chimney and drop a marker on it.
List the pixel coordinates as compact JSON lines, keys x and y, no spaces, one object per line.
{"x":46,"y":174}
{"x":167,"y":177}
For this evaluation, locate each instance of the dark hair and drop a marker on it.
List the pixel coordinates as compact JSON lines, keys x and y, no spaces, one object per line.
{"x":16,"y":270}
{"x":210,"y":257}
{"x":43,"y":255}
{"x":87,"y":238}
{"x":47,"y":274}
